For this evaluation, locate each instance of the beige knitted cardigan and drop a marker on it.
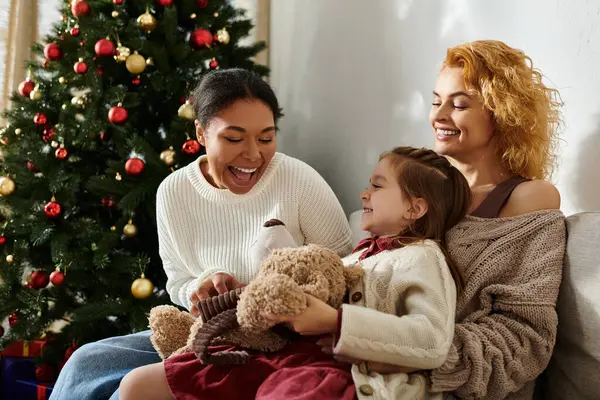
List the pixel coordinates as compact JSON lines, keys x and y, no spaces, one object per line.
{"x":506,"y":317}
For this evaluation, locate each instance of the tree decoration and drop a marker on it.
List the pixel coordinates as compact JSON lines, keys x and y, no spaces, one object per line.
{"x":7,"y":186}
{"x":147,"y":22}
{"x":136,"y":63}
{"x":118,"y":2}
{"x":213,"y":64}
{"x":13,"y":319}
{"x":134,"y":166}
{"x":75,"y":31}
{"x":2,"y":240}
{"x":130,"y":230}
{"x":62,"y":80}
{"x":36,"y":94}
{"x":53,"y":52}
{"x":80,"y":67}
{"x":164,"y":3}
{"x":104,"y":48}
{"x":186,"y":111}
{"x":202,"y":3}
{"x":10,"y":258}
{"x":142,"y":287}
{"x":115,"y":14}
{"x":57,"y":278}
{"x":32,"y":167}
{"x":78,"y":101}
{"x":191,"y":147}
{"x":52,"y":209}
{"x":117,"y":114}
{"x":61,"y":153}
{"x":26,"y":87}
{"x":122,"y":53}
{"x":136,"y":81}
{"x":168,"y":156}
{"x":80,"y":8}
{"x":40,"y":119}
{"x":48,"y":135}
{"x":39,"y":279}
{"x":201,"y":38}
{"x":223,"y":36}
{"x":108,"y":201}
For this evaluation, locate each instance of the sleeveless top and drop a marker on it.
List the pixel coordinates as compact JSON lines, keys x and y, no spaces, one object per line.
{"x":490,"y":207}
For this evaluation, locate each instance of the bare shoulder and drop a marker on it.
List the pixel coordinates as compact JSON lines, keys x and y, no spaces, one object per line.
{"x":532,"y":196}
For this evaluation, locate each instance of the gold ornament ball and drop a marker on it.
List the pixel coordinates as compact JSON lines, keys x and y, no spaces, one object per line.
{"x":147,"y":22}
{"x":223,"y":36}
{"x":78,"y":101}
{"x":18,"y":131}
{"x":193,"y":16}
{"x":113,"y":228}
{"x":186,"y":111}
{"x":136,"y":64}
{"x":62,"y":80}
{"x":115,"y":14}
{"x":118,"y":176}
{"x":130,"y":230}
{"x":7,"y":186}
{"x":10,"y":258}
{"x":64,"y":106}
{"x":36,"y":94}
{"x":142,"y":288}
{"x":123,"y":52}
{"x":168,"y":156}
{"x":149,"y":61}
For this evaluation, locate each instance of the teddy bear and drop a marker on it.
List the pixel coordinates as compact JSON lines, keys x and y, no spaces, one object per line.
{"x":287,"y":273}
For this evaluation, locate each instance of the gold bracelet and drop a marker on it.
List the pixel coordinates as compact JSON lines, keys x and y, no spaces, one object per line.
{"x":363,"y":367}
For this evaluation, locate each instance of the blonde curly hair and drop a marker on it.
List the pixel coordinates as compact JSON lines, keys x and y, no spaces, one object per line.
{"x":525,"y":112}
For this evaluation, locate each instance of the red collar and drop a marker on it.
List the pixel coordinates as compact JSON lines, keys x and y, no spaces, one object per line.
{"x":375,"y":245}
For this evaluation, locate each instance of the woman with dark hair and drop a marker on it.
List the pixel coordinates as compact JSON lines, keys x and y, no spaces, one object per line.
{"x":209,"y":214}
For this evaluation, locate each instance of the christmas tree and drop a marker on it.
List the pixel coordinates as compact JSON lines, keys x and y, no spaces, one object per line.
{"x":103,"y":117}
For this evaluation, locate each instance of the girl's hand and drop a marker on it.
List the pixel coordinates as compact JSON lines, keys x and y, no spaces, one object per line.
{"x":212,"y":286}
{"x":318,"y":318}
{"x":326,"y":344}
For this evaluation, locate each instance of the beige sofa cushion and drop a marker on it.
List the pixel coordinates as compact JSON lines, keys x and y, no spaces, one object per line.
{"x":574,"y":371}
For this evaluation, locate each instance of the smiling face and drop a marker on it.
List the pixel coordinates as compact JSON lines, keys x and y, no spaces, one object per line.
{"x":387,"y":210}
{"x":461,"y":125}
{"x":240,"y":143}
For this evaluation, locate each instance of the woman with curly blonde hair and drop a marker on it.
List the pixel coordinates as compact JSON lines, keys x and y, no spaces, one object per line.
{"x":497,"y":122}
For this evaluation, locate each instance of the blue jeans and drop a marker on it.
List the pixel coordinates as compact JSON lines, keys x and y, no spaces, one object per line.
{"x":95,"y":370}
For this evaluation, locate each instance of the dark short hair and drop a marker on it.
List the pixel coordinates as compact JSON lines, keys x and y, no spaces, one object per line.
{"x":221,"y":88}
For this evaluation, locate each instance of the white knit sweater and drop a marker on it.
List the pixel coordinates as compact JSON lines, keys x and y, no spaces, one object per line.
{"x":402,"y":313}
{"x":203,"y":229}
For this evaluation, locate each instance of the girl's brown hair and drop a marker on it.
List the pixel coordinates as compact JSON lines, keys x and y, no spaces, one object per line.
{"x":422,"y":173}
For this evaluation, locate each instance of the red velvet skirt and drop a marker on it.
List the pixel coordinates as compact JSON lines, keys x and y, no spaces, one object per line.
{"x":299,"y":371}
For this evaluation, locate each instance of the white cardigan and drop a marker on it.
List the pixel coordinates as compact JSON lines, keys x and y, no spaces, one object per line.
{"x":402,"y":313}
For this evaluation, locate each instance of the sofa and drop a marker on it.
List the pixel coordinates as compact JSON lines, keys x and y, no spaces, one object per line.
{"x":574,"y":370}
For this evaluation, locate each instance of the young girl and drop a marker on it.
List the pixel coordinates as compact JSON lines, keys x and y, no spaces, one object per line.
{"x":400,"y":316}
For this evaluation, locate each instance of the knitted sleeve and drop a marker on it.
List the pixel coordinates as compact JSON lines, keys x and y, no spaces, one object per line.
{"x":180,"y":282}
{"x":318,"y":204}
{"x":508,"y":341}
{"x":420,"y":296}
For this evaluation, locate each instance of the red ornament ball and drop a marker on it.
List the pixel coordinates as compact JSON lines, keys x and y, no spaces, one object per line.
{"x":61,"y":153}
{"x":100,"y":70}
{"x":213,"y":64}
{"x":134,"y":166}
{"x":104,"y":136}
{"x":118,"y":2}
{"x":13,"y":319}
{"x":2,"y":240}
{"x":48,"y":135}
{"x":53,"y":52}
{"x":80,"y":7}
{"x":201,"y":38}
{"x":109,"y":201}
{"x":117,"y":115}
{"x":57,"y":278}
{"x":44,"y":373}
{"x":26,"y":87}
{"x":32,"y":167}
{"x":52,"y":209}
{"x":164,"y":3}
{"x":202,"y":3}
{"x":40,"y":119}
{"x":104,"y":48}
{"x":136,"y":81}
{"x":80,"y":67}
{"x":75,"y":31}
{"x":39,"y":279}
{"x":191,"y":147}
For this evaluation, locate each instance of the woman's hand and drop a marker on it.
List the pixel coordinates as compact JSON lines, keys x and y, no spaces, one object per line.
{"x":326,"y":344}
{"x":214,"y":285}
{"x":318,"y":318}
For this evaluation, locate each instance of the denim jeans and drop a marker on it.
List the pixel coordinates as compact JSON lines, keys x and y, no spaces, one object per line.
{"x":95,"y":370}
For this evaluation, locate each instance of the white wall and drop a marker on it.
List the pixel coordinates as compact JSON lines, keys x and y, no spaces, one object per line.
{"x":355,"y":78}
